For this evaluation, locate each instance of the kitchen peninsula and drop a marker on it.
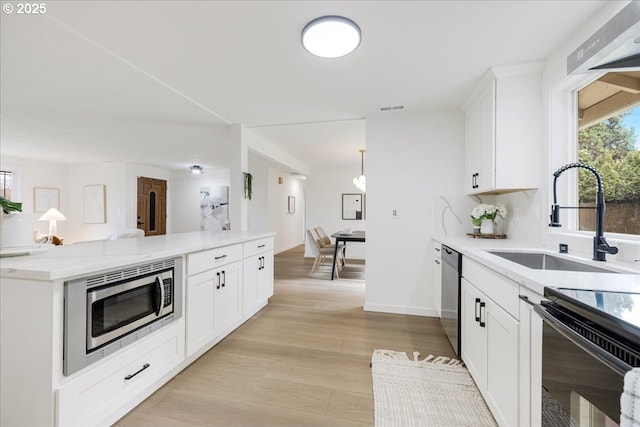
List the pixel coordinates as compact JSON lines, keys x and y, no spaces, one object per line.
{"x":219,"y":281}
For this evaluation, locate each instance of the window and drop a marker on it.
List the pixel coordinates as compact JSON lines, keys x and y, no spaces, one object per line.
{"x":609,"y":140}
{"x":6,"y":184}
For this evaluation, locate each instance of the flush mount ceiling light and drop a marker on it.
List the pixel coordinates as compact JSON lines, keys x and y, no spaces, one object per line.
{"x":196,"y":169}
{"x":331,"y":36}
{"x":361,"y":181}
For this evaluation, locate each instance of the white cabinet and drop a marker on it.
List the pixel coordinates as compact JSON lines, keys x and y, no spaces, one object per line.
{"x":106,"y":392}
{"x":502,"y":131}
{"x":530,"y":359}
{"x":258,"y":274}
{"x":437,"y":277}
{"x":490,"y":338}
{"x":214,"y":295}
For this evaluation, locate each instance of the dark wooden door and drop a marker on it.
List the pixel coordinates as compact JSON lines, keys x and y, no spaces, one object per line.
{"x":152,"y":206}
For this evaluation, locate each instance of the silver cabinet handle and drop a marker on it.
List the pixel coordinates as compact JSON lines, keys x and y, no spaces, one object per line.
{"x":526,"y":299}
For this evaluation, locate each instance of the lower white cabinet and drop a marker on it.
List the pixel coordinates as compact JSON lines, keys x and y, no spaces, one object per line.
{"x":490,"y":350}
{"x":214,"y":304}
{"x":530,"y":359}
{"x":258,"y":274}
{"x":106,"y":392}
{"x":437,"y":277}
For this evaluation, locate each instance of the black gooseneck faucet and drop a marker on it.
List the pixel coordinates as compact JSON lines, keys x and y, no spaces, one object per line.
{"x":600,"y":245}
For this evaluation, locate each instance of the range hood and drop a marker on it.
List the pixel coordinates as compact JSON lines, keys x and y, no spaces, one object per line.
{"x":614,"y":47}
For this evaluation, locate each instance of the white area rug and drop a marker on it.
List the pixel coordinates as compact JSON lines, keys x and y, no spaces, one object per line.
{"x":436,"y":391}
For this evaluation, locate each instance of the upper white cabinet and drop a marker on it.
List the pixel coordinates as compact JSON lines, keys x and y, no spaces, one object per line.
{"x":502,"y":131}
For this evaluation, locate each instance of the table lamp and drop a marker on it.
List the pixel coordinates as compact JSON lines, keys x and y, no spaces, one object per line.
{"x":52,"y":215}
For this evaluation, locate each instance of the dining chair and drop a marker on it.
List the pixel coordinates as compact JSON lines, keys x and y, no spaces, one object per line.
{"x":325,"y":241}
{"x":321,"y":253}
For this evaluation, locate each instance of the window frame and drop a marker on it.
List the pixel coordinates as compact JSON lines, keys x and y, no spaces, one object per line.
{"x":565,"y":96}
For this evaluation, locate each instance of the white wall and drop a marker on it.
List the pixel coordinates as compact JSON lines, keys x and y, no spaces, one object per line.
{"x":30,"y":174}
{"x":268,"y":207}
{"x":412,"y":159}
{"x":534,"y":206}
{"x":324,"y":202}
{"x":184,"y":198}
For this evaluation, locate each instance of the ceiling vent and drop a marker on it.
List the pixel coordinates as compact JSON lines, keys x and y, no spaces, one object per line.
{"x":396,"y":107}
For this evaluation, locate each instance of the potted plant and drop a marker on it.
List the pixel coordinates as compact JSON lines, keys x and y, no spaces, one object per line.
{"x":484,"y":215}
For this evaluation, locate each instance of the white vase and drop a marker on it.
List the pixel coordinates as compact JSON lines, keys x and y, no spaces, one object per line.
{"x":17,"y":230}
{"x":487,"y":226}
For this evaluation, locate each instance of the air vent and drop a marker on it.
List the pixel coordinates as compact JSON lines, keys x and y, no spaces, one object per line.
{"x":115,"y":276}
{"x":608,"y":344}
{"x":93,"y":281}
{"x":395,"y":107}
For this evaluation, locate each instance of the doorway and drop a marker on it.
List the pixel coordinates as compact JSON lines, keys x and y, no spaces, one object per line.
{"x":152,"y":206}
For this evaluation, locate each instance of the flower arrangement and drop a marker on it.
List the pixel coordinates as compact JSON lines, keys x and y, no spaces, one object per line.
{"x":484,"y":211}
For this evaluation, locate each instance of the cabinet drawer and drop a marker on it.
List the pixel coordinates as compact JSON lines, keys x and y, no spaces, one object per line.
{"x":198,"y":262}
{"x":103,"y":394}
{"x":437,"y":248}
{"x":501,"y":290}
{"x":255,"y":247}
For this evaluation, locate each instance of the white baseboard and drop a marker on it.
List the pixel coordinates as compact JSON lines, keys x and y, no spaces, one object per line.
{"x":398,"y":309}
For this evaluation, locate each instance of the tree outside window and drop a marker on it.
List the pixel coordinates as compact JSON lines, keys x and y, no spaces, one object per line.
{"x":612,"y":146}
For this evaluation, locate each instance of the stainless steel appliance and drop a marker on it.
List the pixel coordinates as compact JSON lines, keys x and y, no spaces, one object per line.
{"x":107,"y":312}
{"x":590,"y":340}
{"x":450,"y":296}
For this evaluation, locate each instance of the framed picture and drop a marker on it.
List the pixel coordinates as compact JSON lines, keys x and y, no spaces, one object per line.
{"x":94,"y":204}
{"x":353,"y":206}
{"x":45,"y":199}
{"x":291,"y":204}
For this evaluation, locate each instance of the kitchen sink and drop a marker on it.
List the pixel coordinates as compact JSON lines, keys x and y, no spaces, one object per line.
{"x":544,"y":261}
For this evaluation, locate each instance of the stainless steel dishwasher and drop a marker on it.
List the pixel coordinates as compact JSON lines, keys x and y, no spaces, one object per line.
{"x":450,"y":303}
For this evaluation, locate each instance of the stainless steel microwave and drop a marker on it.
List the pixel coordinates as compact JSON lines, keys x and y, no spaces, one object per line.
{"x":107,"y":312}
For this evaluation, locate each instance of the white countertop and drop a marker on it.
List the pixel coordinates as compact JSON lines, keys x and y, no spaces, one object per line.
{"x":536,"y":280}
{"x":80,"y":259}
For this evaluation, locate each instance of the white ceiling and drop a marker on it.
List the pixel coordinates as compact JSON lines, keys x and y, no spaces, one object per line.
{"x":157,"y":82}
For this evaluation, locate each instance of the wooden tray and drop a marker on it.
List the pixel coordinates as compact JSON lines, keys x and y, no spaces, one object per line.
{"x":487,"y":236}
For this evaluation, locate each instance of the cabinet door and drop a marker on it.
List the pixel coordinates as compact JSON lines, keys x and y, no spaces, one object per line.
{"x":530,"y":353}
{"x":486,"y":178}
{"x":502,"y":364}
{"x":472,"y":147}
{"x":251,"y":272}
{"x":228,"y":298}
{"x":265,"y":278}
{"x":200,"y":298}
{"x":480,"y":119}
{"x":474,"y":335}
{"x":437,"y":278}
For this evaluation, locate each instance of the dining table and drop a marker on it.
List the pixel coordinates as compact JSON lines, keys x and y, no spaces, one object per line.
{"x":342,"y":236}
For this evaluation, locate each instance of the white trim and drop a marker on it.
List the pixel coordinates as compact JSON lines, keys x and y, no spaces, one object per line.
{"x":397,"y":309}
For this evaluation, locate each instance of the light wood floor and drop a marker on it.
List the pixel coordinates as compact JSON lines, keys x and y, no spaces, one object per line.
{"x":301,"y":361}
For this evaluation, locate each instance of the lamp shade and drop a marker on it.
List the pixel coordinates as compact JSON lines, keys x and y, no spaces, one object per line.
{"x":52,"y":214}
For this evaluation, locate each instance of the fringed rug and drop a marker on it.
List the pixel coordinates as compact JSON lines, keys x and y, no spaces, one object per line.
{"x":435,"y":391}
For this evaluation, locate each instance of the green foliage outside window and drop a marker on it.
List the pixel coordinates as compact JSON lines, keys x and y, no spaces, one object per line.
{"x":609,"y":146}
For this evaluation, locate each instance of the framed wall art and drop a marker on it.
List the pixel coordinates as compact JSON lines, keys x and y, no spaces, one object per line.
{"x":45,"y":199}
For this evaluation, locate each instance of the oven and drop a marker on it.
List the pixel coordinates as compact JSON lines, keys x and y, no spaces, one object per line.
{"x":110,"y":311}
{"x":590,"y":340}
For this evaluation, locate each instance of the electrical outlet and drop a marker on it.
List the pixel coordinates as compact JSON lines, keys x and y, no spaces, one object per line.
{"x":395,"y":213}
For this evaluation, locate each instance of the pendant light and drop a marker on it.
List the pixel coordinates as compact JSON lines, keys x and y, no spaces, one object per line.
{"x":361,"y":181}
